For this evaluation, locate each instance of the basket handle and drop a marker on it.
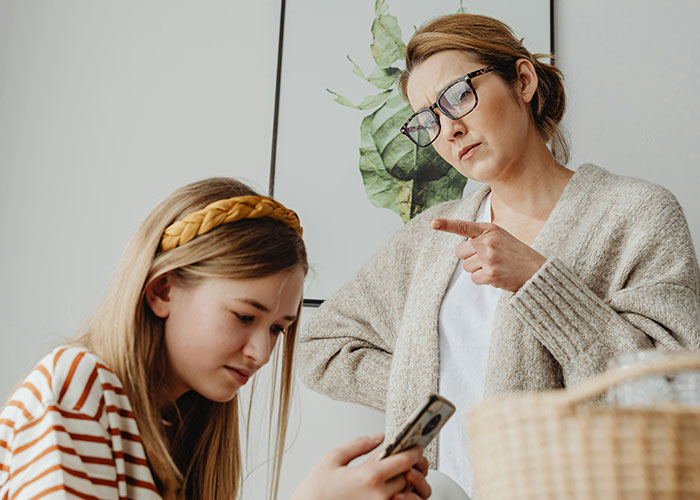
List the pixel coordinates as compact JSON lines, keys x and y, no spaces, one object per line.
{"x":689,"y":360}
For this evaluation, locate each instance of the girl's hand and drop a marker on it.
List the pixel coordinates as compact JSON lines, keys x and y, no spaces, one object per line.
{"x":492,"y":255}
{"x":416,"y":480}
{"x":333,"y":479}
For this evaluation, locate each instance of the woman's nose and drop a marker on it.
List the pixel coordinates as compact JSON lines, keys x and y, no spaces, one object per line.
{"x":259,"y":346}
{"x":452,"y":128}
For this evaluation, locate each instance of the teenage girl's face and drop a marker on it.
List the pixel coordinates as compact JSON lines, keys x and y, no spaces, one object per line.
{"x":488,"y":142}
{"x":219,"y":332}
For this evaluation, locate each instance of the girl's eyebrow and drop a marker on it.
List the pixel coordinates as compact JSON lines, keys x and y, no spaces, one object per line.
{"x":263,"y":308}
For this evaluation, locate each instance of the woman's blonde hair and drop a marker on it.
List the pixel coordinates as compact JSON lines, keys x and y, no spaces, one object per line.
{"x":492,"y":42}
{"x":198,"y":455}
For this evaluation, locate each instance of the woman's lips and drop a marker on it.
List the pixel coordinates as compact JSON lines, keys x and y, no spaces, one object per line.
{"x":468,"y":152}
{"x":238,"y":375}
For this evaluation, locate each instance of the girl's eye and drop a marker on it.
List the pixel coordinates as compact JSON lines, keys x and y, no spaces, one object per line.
{"x":276,"y":330}
{"x":244,"y":318}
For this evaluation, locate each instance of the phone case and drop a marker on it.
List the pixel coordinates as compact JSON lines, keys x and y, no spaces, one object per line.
{"x":423,"y":425}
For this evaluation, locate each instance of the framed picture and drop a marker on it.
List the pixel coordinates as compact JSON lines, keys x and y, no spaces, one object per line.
{"x":338,"y":159}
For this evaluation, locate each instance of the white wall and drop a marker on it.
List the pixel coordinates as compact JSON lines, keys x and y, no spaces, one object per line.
{"x":107,"y":106}
{"x":632,"y":75}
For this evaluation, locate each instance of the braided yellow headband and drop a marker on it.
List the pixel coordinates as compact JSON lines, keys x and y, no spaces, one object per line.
{"x":222,"y":212}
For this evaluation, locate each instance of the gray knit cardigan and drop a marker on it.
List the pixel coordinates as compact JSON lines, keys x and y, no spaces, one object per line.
{"x":621,"y":275}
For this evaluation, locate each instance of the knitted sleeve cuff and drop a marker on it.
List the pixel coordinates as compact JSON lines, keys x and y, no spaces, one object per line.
{"x":566,"y":316}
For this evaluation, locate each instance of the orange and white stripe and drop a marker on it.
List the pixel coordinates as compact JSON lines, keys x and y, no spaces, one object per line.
{"x":68,"y":431}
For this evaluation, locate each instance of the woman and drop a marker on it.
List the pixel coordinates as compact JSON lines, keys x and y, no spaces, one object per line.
{"x":532,"y":282}
{"x":145,"y":404}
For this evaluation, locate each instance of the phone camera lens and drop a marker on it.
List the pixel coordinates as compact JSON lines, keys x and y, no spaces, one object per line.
{"x":432,"y":424}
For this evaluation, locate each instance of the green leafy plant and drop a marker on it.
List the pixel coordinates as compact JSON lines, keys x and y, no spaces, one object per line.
{"x":396,"y":173}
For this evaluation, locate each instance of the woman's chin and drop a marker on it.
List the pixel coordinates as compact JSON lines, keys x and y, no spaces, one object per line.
{"x":478,"y":171}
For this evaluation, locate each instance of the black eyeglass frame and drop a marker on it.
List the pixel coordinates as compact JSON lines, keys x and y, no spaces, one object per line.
{"x":466,"y":79}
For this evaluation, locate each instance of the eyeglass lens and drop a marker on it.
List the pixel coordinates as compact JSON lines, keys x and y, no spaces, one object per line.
{"x":424,"y":127}
{"x":456,"y":101}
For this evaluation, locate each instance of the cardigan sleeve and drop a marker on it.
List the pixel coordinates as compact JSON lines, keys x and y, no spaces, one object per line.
{"x":346,"y":347}
{"x":655,"y":300}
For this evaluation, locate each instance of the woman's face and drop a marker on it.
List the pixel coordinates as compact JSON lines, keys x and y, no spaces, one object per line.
{"x":486,"y":144}
{"x":219,"y":332}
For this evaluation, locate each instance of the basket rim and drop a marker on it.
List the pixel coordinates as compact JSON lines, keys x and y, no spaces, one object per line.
{"x":564,"y":400}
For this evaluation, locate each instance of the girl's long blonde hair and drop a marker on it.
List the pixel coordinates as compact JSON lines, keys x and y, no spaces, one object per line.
{"x":199,"y":455}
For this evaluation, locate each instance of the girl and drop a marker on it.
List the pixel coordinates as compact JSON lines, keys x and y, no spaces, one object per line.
{"x":144,"y":404}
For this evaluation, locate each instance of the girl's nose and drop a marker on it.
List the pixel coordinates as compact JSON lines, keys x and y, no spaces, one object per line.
{"x":259,"y":346}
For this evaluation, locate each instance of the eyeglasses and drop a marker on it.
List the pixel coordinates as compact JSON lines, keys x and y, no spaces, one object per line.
{"x":456,"y":101}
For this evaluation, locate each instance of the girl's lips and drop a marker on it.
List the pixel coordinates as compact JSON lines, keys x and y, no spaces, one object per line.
{"x":468,"y":152}
{"x":238,"y":375}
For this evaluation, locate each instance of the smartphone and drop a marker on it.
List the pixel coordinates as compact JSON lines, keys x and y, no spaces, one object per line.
{"x":423,"y":425}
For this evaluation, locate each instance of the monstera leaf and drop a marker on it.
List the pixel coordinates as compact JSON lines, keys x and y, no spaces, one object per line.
{"x":396,"y":173}
{"x":387,"y":46}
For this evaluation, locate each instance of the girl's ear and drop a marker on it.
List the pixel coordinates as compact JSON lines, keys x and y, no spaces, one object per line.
{"x":527,"y":80}
{"x":158,"y":296}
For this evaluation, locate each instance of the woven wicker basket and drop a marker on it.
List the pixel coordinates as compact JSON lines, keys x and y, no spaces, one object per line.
{"x":550,"y":445}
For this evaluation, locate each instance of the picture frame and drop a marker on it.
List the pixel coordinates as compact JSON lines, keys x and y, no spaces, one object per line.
{"x":325,"y":67}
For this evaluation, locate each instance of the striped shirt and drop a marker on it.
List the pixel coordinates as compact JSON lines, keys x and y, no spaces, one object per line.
{"x":68,"y":431}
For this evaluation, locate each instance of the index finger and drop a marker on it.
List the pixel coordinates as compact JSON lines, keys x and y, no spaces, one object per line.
{"x":465,"y":228}
{"x":345,"y":454}
{"x":393,"y":465}
{"x":422,"y":465}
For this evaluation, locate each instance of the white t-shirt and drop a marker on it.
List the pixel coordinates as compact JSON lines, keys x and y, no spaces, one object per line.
{"x":465,"y":321}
